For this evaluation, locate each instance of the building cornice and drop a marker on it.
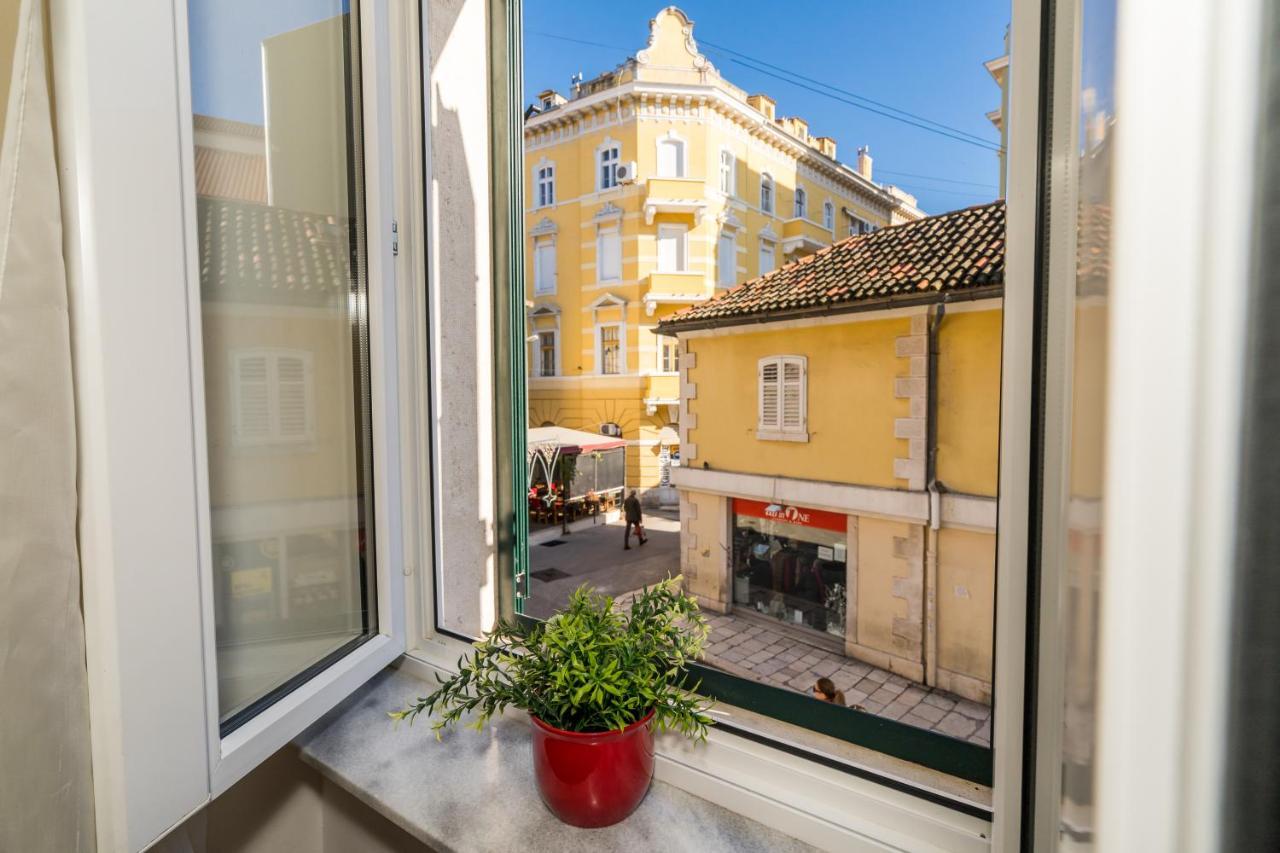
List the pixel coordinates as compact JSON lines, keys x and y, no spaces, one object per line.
{"x":684,"y":98}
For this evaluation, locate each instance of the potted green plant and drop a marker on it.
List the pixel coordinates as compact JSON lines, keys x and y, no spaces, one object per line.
{"x":596,"y":680}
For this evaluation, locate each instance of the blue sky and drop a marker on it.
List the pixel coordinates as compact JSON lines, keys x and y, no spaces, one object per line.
{"x":921,"y":56}
{"x":226,"y":49}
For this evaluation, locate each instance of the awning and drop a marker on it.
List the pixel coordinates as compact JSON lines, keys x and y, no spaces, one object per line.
{"x":571,"y":441}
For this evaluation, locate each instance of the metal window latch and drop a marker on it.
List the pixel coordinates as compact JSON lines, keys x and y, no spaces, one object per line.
{"x":520,"y":585}
{"x":395,"y":238}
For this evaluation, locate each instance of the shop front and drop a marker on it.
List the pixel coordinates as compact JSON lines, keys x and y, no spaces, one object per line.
{"x":789,"y":564}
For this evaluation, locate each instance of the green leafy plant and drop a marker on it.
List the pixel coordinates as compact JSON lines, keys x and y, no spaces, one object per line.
{"x":590,"y":668}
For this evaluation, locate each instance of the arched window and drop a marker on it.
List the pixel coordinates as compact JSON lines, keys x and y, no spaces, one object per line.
{"x":766,"y":193}
{"x":802,"y":203}
{"x":828,"y":215}
{"x":727,"y":164}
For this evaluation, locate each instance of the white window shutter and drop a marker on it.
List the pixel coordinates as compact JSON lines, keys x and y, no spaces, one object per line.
{"x":727,"y":260}
{"x":793,"y":395}
{"x":253,"y":398}
{"x":769,"y":388}
{"x":610,"y":249}
{"x":293,"y":410}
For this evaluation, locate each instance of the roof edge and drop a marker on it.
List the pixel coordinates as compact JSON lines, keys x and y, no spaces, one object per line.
{"x":673,"y":329}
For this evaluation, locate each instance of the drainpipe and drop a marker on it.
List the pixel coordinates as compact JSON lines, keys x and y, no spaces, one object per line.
{"x":935,"y":489}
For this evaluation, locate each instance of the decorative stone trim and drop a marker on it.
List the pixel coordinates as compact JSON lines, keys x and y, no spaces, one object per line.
{"x":688,"y":393}
{"x":609,"y":213}
{"x":544,"y":228}
{"x":688,"y":537}
{"x":913,"y":387}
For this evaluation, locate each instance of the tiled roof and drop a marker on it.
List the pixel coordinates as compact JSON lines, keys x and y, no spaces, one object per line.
{"x":257,"y":253}
{"x":231,"y":174}
{"x":958,"y":251}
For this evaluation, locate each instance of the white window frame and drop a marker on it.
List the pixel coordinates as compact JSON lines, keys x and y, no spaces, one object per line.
{"x":667,"y":344}
{"x":538,"y":348}
{"x":542,"y":287}
{"x":777,"y":429}
{"x":158,"y":754}
{"x":768,"y":194}
{"x":728,"y":170}
{"x":731,"y":267}
{"x":681,"y":234}
{"x":608,"y":155}
{"x":622,"y":347}
{"x":544,"y":184}
{"x":604,"y":234}
{"x":828,"y":215}
{"x":801,"y":205}
{"x":673,"y":141}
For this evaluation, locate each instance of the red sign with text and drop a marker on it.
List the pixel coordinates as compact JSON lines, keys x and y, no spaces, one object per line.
{"x":800,"y":515}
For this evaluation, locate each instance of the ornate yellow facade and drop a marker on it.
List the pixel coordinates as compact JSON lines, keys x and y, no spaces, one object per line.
{"x":656,"y":186}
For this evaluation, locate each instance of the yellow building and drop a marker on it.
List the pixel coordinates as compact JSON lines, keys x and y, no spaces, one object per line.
{"x":839,"y":430}
{"x":655,"y":186}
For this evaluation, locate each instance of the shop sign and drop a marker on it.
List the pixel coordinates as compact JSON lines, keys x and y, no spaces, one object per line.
{"x":799,"y":515}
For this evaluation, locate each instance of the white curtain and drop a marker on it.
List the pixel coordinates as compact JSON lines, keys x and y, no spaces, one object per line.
{"x":46,"y":797}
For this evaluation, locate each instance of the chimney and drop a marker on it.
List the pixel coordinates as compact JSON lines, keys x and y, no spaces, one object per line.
{"x":864,"y":161}
{"x":764,"y":104}
{"x":800,"y":128}
{"x":827,"y":146}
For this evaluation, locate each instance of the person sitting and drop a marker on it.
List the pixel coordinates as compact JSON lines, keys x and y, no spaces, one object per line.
{"x":824,"y":690}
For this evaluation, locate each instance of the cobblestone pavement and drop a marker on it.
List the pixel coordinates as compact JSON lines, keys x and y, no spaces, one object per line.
{"x":746,"y":648}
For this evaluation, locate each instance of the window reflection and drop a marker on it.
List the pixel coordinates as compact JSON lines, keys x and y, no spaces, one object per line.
{"x":278,"y":201}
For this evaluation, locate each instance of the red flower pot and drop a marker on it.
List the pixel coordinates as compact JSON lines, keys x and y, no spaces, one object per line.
{"x":593,"y":778}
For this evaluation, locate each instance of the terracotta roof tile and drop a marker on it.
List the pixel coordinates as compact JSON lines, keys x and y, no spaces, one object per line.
{"x":958,"y":251}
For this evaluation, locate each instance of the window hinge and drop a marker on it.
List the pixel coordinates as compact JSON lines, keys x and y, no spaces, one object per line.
{"x":395,"y":238}
{"x":520,"y":581}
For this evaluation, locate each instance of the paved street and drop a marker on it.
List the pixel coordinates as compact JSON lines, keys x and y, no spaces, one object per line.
{"x":745,"y":646}
{"x":593,"y":554}
{"x":749,"y":649}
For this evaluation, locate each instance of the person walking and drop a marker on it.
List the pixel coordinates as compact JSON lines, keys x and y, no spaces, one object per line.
{"x":631,"y":512}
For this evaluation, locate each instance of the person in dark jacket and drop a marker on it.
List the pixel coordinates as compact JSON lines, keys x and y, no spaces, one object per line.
{"x":631,"y":512}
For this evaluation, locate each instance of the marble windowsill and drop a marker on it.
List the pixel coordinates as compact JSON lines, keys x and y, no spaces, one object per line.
{"x":475,"y":791}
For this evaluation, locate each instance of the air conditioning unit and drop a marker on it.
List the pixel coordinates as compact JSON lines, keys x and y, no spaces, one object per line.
{"x":611,"y":430}
{"x":627,"y":172}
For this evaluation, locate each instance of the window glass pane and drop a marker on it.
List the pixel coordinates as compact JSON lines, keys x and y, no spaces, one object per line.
{"x":815,"y":453}
{"x":1081,"y":601}
{"x":280,"y":206}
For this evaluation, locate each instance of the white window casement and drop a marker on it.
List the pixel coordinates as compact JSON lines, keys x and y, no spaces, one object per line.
{"x":726,"y":259}
{"x":544,"y":266}
{"x":547,"y":358}
{"x":728,"y":170}
{"x":783,"y":412}
{"x":673,"y":248}
{"x":273,"y":398}
{"x":544,"y":184}
{"x":828,"y":215}
{"x":667,"y":354}
{"x":671,"y":156}
{"x":610,"y":351}
{"x":607,"y":158}
{"x":766,"y":193}
{"x":802,"y":203}
{"x":768,"y":253}
{"x":609,"y":254}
